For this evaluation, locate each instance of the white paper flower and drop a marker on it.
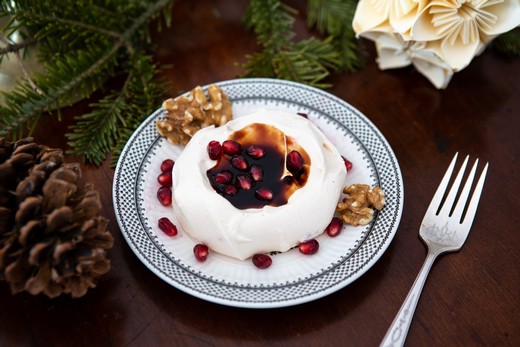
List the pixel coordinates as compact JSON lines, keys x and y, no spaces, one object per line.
{"x":394,"y":52}
{"x":464,"y":26}
{"x":438,"y":37}
{"x":379,"y":15}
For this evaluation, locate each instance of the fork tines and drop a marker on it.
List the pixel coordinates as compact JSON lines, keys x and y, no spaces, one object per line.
{"x":452,"y":207}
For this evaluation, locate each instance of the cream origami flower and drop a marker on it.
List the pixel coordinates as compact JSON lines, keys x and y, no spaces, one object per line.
{"x":464,"y":26}
{"x":394,"y":52}
{"x":385,"y":15}
{"x":438,"y":37}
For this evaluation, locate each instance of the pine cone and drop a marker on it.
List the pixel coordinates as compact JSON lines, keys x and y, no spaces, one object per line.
{"x":52,"y":239}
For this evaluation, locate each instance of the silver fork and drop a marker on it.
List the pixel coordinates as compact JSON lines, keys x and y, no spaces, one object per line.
{"x":443,"y":231}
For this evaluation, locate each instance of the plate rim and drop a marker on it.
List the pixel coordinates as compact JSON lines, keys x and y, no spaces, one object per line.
{"x":382,"y":247}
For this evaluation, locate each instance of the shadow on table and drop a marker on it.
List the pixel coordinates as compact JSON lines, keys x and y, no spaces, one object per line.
{"x":62,"y":321}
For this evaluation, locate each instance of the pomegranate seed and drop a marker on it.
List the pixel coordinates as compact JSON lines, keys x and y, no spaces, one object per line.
{"x":164,"y":194}
{"x":348,"y":164}
{"x":165,"y":179}
{"x":201,"y":252}
{"x":262,"y":261}
{"x":167,"y":165}
{"x":244,"y":182}
{"x":309,"y":247}
{"x":334,"y":227}
{"x":224,"y":177}
{"x":264,"y":193}
{"x":231,"y":147}
{"x":167,"y":226}
{"x":239,"y":162}
{"x":294,"y":161}
{"x":255,"y":152}
{"x":230,"y":190}
{"x":214,"y":150}
{"x":304,"y":115}
{"x":256,"y":172}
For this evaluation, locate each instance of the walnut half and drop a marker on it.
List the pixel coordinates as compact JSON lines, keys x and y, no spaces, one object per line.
{"x":188,"y":114}
{"x":356,"y":208}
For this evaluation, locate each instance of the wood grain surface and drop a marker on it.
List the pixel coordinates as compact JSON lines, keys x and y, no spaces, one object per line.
{"x":471,"y":298}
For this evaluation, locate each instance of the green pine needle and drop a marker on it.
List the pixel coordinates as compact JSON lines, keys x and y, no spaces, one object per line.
{"x":145,"y":88}
{"x":272,"y":22}
{"x":102,"y":124}
{"x":508,"y":43}
{"x":259,"y":65}
{"x":329,"y":16}
{"x":307,"y":61}
{"x":334,"y":17}
{"x":82,"y":46}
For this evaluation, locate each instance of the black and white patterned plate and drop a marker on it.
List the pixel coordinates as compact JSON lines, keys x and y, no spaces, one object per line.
{"x":293,"y":278}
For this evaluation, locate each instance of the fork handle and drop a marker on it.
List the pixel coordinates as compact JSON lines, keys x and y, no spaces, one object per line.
{"x":396,"y":334}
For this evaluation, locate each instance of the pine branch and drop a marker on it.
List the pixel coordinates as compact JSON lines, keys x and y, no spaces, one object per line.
{"x":259,"y":65}
{"x":144,"y":89}
{"x":321,"y":52}
{"x":290,"y":66}
{"x":80,"y":25}
{"x":272,"y":22}
{"x":61,"y":86}
{"x":15,"y":47}
{"x":117,"y":115}
{"x":84,"y":56}
{"x":334,"y":17}
{"x":508,"y":43}
{"x":307,"y":61}
{"x":329,"y":16}
{"x":349,"y":51}
{"x":102,"y":124}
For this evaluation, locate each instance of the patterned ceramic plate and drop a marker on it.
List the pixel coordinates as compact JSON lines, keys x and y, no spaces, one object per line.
{"x":293,"y":278}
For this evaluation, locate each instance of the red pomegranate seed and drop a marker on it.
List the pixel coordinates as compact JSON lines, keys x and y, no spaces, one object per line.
{"x":165,"y":179}
{"x":214,"y":150}
{"x":224,"y":177}
{"x":231,"y":147}
{"x":164,"y":194}
{"x":294,"y":161}
{"x":255,"y":152}
{"x":201,"y":252}
{"x":167,"y":226}
{"x":167,"y":165}
{"x":239,"y":162}
{"x":334,"y":227}
{"x":264,"y":193}
{"x":262,"y":261}
{"x":348,"y":164}
{"x":304,"y":115}
{"x":230,"y":190}
{"x":256,"y":172}
{"x":244,"y":182}
{"x":309,"y":247}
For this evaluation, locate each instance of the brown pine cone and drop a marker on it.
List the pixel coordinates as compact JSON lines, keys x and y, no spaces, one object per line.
{"x":52,"y":239}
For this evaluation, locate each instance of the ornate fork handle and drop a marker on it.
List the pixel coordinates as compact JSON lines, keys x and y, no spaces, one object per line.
{"x":397,"y":332}
{"x":444,"y":229}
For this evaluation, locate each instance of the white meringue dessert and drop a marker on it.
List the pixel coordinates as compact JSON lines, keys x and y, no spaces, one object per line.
{"x":284,"y":206}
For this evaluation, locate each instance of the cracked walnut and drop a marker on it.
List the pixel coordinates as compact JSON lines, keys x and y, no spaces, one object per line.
{"x":186,"y":115}
{"x":357,"y":207}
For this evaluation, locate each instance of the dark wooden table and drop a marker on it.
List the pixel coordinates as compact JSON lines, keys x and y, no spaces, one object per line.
{"x":471,"y":298}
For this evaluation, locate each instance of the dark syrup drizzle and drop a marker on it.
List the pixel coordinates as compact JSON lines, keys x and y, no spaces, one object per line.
{"x":272,"y":164}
